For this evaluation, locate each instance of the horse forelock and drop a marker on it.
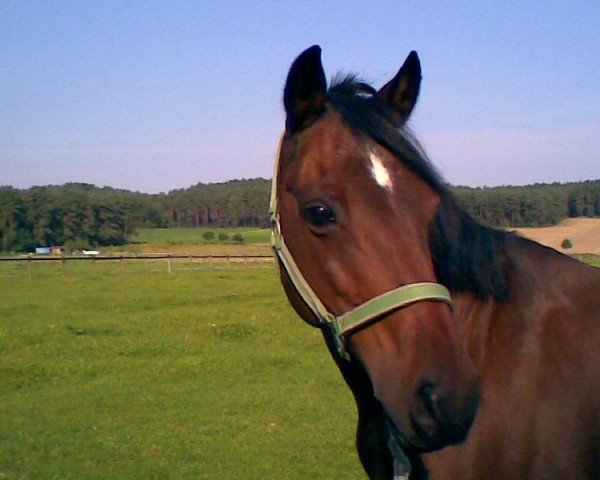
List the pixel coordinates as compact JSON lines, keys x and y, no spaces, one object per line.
{"x":365,"y":113}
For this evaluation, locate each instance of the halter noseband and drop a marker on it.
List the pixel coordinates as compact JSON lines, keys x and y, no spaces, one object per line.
{"x":372,"y":309}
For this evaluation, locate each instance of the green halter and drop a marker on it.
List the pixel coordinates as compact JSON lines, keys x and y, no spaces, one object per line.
{"x":372,"y":309}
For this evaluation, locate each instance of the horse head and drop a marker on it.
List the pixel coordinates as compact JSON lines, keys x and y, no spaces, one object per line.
{"x":356,"y":200}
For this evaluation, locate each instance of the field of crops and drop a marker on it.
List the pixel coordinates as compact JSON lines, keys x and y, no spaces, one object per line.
{"x":197,"y":375}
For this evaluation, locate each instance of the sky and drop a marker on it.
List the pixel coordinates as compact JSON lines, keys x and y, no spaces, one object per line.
{"x":155,"y":96}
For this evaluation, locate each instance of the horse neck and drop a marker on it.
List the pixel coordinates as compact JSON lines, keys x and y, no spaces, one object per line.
{"x":538,"y":280}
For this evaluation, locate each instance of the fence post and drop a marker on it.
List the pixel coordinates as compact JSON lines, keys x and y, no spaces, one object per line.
{"x":121,"y":264}
{"x":29,"y":262}
{"x":190,"y":263}
{"x":62,"y":263}
{"x":228,"y":263}
{"x":170,"y":264}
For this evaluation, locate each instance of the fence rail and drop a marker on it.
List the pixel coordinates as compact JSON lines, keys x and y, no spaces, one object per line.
{"x":64,"y":258}
{"x":24,"y":266}
{"x":171,"y":263}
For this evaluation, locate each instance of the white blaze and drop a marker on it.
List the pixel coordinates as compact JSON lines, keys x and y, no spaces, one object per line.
{"x":380,"y":173}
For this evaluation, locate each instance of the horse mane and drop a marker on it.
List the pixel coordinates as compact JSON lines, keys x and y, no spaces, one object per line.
{"x":467,"y":255}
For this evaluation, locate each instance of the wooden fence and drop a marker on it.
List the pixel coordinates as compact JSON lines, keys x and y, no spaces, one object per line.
{"x":160,"y":262}
{"x":20,"y":266}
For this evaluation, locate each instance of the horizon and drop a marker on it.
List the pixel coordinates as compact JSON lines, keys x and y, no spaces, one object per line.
{"x":481,"y":187}
{"x":152,"y":97}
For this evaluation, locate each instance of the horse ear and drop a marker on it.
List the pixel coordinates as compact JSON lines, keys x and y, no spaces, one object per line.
{"x":305,"y":88}
{"x":402,"y":91}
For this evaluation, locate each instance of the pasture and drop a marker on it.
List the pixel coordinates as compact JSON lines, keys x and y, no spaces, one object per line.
{"x":193,"y":236}
{"x":138,"y":374}
{"x":205,"y":374}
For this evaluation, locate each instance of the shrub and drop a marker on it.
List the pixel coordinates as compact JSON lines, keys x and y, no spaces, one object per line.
{"x":208,"y":235}
{"x":237,"y":238}
{"x":566,"y":243}
{"x":223,"y":237}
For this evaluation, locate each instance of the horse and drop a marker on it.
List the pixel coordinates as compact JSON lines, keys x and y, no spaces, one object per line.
{"x":471,"y":352}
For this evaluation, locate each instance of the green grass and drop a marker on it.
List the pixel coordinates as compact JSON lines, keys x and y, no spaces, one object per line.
{"x":139,"y":374}
{"x":593,"y":260}
{"x":144,"y":375}
{"x":193,"y":236}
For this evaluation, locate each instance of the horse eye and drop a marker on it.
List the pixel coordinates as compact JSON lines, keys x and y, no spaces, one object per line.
{"x":319,"y":215}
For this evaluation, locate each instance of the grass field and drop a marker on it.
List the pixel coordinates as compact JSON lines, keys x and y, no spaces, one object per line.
{"x":137,"y":374}
{"x":196,"y":375}
{"x":593,"y":260}
{"x":200,"y":249}
{"x":193,"y":236}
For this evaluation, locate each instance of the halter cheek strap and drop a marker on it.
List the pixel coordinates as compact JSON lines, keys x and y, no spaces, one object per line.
{"x":363,"y":314}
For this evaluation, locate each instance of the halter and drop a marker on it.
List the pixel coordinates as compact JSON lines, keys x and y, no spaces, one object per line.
{"x":372,"y":309}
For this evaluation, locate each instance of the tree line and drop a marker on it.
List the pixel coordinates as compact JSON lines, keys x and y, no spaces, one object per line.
{"x":80,"y":215}
{"x":538,"y":205}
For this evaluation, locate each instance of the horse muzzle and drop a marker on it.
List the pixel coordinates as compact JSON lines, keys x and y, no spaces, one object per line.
{"x":438,"y":419}
{"x":433,"y":423}
{"x":431,"y":398}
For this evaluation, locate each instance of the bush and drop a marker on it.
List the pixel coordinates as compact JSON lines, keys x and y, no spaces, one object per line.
{"x":223,"y":237}
{"x":72,"y":246}
{"x":208,"y":235}
{"x":237,"y":238}
{"x":566,"y":243}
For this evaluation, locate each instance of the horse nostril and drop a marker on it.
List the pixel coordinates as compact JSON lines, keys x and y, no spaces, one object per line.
{"x":431,"y":401}
{"x":435,"y":420}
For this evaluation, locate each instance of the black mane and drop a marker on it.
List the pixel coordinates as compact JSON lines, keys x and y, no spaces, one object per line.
{"x":467,"y":256}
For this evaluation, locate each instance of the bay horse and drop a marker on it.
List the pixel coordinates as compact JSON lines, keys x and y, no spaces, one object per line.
{"x":472,"y":353}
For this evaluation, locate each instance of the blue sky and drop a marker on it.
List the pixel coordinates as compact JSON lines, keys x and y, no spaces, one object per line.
{"x":153,"y":96}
